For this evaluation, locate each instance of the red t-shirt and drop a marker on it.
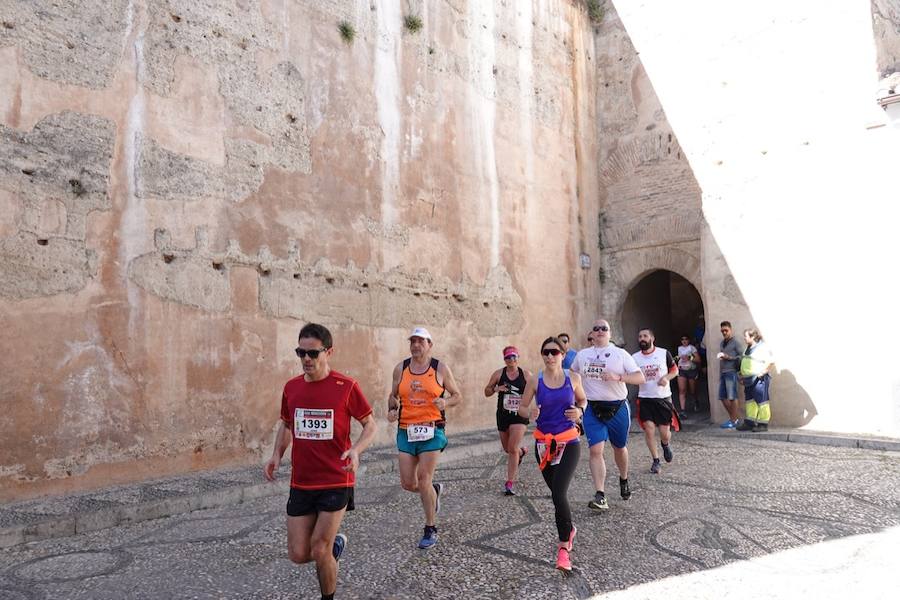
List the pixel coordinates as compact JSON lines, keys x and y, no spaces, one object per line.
{"x":318,"y":415}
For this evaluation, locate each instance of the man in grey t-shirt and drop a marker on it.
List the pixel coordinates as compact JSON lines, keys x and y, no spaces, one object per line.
{"x":729,"y":356}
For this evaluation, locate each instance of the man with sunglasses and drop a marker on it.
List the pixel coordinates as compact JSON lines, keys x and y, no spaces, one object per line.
{"x":605,"y":369}
{"x":316,"y":408}
{"x":569,"y":354}
{"x":417,"y":402}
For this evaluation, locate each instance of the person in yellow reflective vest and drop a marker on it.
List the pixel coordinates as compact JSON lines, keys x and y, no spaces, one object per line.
{"x":756,"y":363}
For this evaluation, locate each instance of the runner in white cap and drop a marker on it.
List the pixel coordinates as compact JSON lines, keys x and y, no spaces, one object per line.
{"x":417,"y":402}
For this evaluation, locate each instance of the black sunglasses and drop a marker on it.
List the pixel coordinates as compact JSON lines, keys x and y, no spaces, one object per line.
{"x":551,"y":352}
{"x":601,"y":328}
{"x":313,"y":354}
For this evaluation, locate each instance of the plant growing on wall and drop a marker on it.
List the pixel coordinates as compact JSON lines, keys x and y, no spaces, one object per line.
{"x":595,"y":10}
{"x":413,"y":23}
{"x":347,"y":31}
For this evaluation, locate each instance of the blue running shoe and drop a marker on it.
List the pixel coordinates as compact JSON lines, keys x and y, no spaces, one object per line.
{"x":727,"y":425}
{"x":340,"y":542}
{"x":429,"y":539}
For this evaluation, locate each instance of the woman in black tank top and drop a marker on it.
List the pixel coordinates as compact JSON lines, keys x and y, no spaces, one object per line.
{"x":509,"y":384}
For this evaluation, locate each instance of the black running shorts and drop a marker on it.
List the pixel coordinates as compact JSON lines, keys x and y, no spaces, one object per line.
{"x":307,"y":502}
{"x":657,"y":410}
{"x":506,"y":418}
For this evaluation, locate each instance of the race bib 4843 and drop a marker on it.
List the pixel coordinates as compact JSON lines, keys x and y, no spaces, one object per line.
{"x":313,"y":423}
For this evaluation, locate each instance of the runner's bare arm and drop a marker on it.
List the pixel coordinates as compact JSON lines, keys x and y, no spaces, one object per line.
{"x":394,"y":398}
{"x":490,"y":388}
{"x":282,"y":441}
{"x":634,"y":378}
{"x":575,"y":414}
{"x":450,"y":385}
{"x":370,"y":427}
{"x":527,"y":395}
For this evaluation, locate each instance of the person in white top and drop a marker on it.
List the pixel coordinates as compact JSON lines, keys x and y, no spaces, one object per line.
{"x":605,"y":369}
{"x":688,"y":373}
{"x":655,"y":410}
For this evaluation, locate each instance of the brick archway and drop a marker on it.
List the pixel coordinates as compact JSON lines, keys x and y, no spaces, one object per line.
{"x":629,"y":267}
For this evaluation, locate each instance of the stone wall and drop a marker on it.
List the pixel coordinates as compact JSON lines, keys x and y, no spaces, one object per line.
{"x":183,"y":184}
{"x":791,"y":149}
{"x":650,"y":215}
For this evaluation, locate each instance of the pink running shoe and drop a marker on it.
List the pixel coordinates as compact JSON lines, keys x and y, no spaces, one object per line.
{"x":562,"y":559}
{"x":571,"y":539}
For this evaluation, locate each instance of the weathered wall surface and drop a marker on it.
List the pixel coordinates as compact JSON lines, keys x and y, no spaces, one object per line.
{"x":184,"y":183}
{"x":650,"y":214}
{"x":791,"y":149}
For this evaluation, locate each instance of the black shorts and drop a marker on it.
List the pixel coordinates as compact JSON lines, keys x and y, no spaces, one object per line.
{"x":308,"y":502}
{"x":657,"y":410}
{"x":506,"y":418}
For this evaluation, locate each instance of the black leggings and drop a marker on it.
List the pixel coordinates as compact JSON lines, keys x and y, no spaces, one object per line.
{"x":558,"y":477}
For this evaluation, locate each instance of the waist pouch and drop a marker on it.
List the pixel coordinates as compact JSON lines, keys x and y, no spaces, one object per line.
{"x":603,"y":411}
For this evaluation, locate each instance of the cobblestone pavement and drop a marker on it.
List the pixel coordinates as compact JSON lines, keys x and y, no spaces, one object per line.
{"x":724,"y":500}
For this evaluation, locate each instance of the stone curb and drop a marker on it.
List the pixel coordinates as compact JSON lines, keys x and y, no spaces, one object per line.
{"x":64,"y":525}
{"x":815,"y":438}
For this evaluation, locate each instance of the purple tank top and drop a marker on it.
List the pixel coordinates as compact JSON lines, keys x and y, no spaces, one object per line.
{"x":553,"y":403}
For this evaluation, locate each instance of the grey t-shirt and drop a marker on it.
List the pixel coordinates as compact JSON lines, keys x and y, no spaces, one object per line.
{"x":731,"y":348}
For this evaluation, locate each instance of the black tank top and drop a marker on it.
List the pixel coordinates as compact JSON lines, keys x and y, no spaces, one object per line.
{"x":516,"y":386}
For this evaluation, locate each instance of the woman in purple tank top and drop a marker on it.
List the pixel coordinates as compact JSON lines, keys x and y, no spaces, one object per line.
{"x":561,"y":400}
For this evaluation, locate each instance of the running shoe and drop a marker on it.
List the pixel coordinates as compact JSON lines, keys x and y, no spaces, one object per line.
{"x":667,"y":453}
{"x":522,"y":453}
{"x":654,"y":468}
{"x":340,"y":542}
{"x":624,"y":489}
{"x":599,"y":502}
{"x":508,"y":489}
{"x":728,"y":425}
{"x":760,"y":427}
{"x":429,"y":539}
{"x":563,"y":563}
{"x":438,"y":489}
{"x":683,"y":415}
{"x":571,"y":541}
{"x":746,"y":425}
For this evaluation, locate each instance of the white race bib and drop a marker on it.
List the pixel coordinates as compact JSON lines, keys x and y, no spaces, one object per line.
{"x":420,"y":432}
{"x":542,"y":449}
{"x":511,"y":403}
{"x":313,"y":423}
{"x":593,"y":370}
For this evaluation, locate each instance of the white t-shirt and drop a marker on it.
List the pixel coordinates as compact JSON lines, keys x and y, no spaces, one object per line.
{"x":684,"y":357}
{"x":654,"y":366}
{"x":592,"y":361}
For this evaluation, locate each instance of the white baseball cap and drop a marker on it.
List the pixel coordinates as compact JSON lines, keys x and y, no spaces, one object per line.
{"x":422,"y":333}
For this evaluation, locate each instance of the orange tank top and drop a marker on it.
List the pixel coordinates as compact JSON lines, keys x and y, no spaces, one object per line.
{"x":417,"y":395}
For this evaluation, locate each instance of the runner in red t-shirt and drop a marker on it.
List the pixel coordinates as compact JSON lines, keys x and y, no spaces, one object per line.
{"x":316,"y":408}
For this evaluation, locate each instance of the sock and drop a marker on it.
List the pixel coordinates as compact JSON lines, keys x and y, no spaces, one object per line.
{"x":328,"y":596}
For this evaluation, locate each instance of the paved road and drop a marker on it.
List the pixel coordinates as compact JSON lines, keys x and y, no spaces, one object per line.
{"x":726,"y":517}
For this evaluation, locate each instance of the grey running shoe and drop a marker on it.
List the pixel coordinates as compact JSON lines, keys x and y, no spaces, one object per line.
{"x":760,"y":427}
{"x":654,"y":468}
{"x":340,"y":542}
{"x":624,"y":489}
{"x":599,"y":502}
{"x":667,"y":453}
{"x":438,"y":488}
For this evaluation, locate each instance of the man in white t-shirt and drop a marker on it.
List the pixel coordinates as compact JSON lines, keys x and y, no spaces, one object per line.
{"x":605,"y":369}
{"x":655,"y":410}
